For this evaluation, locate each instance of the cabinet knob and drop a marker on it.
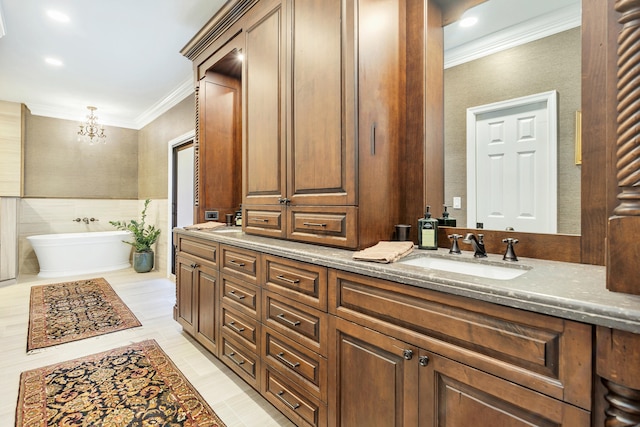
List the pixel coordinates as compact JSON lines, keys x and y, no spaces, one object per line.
{"x":423,"y":360}
{"x":194,"y":265}
{"x":407,"y":354}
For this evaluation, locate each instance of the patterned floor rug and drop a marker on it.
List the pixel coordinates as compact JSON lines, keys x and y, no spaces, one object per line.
{"x":71,"y":311}
{"x":135,"y":385}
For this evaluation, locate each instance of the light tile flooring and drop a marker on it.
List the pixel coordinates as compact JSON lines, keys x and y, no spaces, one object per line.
{"x":151,"y":297}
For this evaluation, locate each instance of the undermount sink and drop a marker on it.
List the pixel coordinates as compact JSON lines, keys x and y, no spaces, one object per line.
{"x":471,"y":267}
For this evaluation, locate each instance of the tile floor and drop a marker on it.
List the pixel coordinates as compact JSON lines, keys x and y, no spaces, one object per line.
{"x":151,"y":297}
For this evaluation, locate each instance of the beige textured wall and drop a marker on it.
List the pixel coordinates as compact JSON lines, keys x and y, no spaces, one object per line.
{"x":153,"y":142}
{"x":552,"y":63}
{"x":58,"y":165}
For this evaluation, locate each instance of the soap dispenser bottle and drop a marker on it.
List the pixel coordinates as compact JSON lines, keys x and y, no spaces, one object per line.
{"x":427,"y":231}
{"x":446,"y":220}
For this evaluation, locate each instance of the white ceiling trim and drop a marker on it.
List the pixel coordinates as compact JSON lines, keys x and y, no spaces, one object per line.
{"x":156,"y":110}
{"x":164,"y":105}
{"x":543,"y":26}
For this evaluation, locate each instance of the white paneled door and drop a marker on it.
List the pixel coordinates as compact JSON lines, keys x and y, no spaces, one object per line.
{"x":512,"y":164}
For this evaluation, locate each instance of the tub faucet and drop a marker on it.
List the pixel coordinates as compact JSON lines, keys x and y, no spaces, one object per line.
{"x":477,"y":243}
{"x":85,"y":220}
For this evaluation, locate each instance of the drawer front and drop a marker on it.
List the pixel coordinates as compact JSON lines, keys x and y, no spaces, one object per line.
{"x":264,"y":220}
{"x":297,"y":280}
{"x":243,"y":328}
{"x":241,"y":295}
{"x":300,"y":407}
{"x":329,"y":225}
{"x":240,"y":263}
{"x":241,"y":360}
{"x":299,"y":364}
{"x":544,"y":353}
{"x":296,"y":321}
{"x":199,"y":248}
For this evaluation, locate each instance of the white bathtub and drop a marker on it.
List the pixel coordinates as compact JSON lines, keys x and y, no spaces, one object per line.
{"x":71,"y":254}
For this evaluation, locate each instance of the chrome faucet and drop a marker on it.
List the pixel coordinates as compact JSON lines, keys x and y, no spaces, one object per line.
{"x":85,"y":220}
{"x":477,"y":243}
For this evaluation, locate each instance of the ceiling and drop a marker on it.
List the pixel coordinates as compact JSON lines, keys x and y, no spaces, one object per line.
{"x":123,"y":56}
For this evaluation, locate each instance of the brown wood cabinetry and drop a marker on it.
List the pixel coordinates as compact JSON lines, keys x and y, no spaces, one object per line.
{"x":333,"y":348}
{"x":468,"y":359}
{"x":197,"y":288}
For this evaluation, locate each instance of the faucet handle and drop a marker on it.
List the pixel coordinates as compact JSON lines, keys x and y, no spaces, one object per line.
{"x":510,"y":254}
{"x":455,"y":249}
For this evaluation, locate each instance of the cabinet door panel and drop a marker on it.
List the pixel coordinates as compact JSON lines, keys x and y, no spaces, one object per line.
{"x":185,"y":294}
{"x":376,"y":385}
{"x":456,"y":395}
{"x":321,"y":162}
{"x":207,"y":327}
{"x":264,"y":139}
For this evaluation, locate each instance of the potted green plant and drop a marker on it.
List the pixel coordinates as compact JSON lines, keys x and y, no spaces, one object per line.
{"x":143,"y":237}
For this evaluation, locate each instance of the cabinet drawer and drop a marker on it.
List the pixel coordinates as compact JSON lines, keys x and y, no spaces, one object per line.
{"x":241,"y":295}
{"x":243,"y":328}
{"x":329,"y":225}
{"x":264,"y":220}
{"x":297,"y":321}
{"x":297,"y":280}
{"x":241,"y":360}
{"x":300,"y":407}
{"x":541,"y":352}
{"x":299,"y":364}
{"x":199,"y":248}
{"x":241,"y":263}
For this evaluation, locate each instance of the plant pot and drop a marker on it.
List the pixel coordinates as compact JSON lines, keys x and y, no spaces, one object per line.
{"x":143,"y":261}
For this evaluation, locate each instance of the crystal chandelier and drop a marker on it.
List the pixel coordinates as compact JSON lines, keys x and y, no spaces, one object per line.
{"x":91,"y":128}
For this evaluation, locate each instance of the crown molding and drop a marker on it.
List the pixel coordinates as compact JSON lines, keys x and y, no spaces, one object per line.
{"x":185,"y":89}
{"x":543,"y":26}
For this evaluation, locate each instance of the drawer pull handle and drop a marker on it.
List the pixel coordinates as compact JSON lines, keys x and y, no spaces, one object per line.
{"x":260,"y":220}
{"x":233,"y":294}
{"x":237,"y":362}
{"x":286,"y":279}
{"x":290,"y":322}
{"x":313,"y":224}
{"x":290,"y":405}
{"x":423,"y":360}
{"x":287,"y":362}
{"x":236,"y":263}
{"x":233,"y":326}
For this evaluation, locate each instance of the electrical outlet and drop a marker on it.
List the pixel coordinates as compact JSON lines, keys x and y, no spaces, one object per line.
{"x":210,"y":215}
{"x":457,"y":202}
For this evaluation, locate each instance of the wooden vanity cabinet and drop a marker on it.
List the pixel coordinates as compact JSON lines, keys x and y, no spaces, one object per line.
{"x":472,"y":362}
{"x":197,"y":290}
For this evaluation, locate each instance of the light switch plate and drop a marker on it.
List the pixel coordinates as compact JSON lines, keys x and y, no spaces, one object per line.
{"x":457,"y":202}
{"x":210,"y":215}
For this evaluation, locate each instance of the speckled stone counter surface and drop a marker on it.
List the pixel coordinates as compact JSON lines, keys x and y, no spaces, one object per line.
{"x":566,"y":290}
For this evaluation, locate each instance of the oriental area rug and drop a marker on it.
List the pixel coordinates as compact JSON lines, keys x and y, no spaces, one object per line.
{"x":135,"y":385}
{"x":71,"y":311}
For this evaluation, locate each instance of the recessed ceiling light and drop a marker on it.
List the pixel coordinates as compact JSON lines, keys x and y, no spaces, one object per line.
{"x":240,"y":57}
{"x":468,"y":22}
{"x":57,"y":16}
{"x":53,"y":61}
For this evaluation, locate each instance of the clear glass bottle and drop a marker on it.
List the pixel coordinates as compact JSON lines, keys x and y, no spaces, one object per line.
{"x":427,"y":231}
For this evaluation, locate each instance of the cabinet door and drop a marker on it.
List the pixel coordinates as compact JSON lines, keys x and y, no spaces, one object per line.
{"x":456,"y":395}
{"x":207,"y":327}
{"x":186,"y":292}
{"x":219,"y":149}
{"x":374,"y":378}
{"x":264,"y":137}
{"x":321,"y":164}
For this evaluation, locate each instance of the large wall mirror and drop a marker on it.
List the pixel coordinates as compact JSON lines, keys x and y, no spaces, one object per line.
{"x":518,"y":48}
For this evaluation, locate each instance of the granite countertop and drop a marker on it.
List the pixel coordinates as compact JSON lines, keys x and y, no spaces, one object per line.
{"x":566,"y":290}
